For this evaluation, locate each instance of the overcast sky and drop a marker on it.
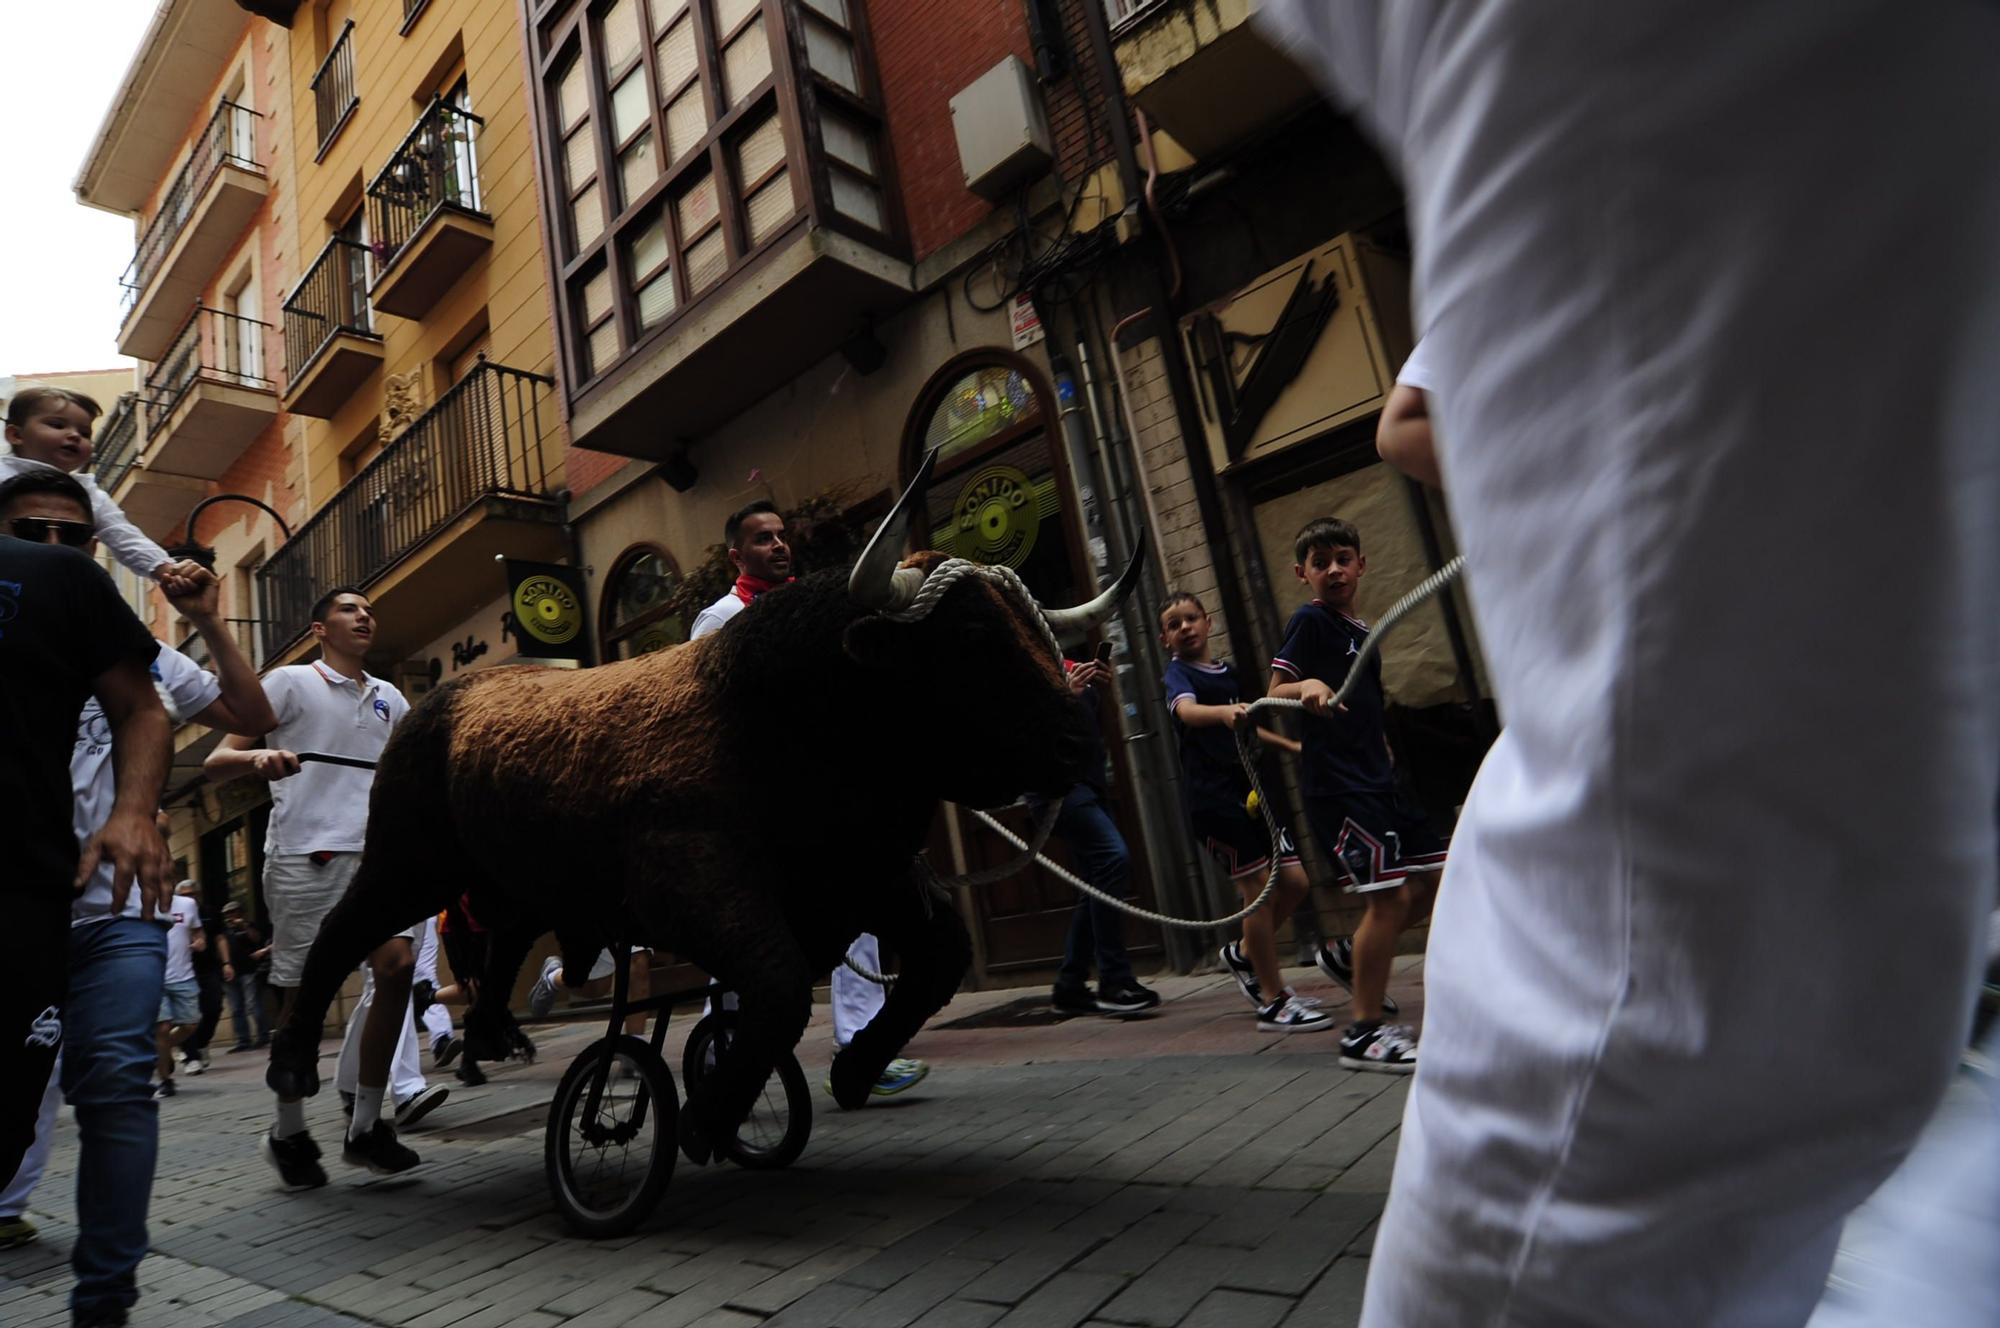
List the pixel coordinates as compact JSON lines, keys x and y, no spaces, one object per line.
{"x":61,"y":259}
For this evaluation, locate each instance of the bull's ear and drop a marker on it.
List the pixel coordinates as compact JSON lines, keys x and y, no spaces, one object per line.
{"x":874,"y":642}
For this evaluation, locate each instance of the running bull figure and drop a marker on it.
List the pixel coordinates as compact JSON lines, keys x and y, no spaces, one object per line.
{"x":751,"y":802}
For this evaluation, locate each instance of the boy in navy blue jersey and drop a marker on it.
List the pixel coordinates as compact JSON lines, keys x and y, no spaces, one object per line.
{"x":1384,"y":846}
{"x":1206,"y":698}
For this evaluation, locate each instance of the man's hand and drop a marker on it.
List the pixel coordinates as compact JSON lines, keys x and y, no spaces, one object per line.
{"x":1315,"y":695}
{"x":192,"y":589}
{"x":1087,"y":674}
{"x":137,"y":854}
{"x":229,"y":972}
{"x":199,"y":943}
{"x":275,"y":763}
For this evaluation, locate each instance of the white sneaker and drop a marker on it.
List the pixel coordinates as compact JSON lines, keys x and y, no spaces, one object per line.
{"x":1290,"y":1014}
{"x":542,"y":996}
{"x":410,"y":1112}
{"x":1383,"y":1048}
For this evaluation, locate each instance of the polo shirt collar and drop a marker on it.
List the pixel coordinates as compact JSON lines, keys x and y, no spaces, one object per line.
{"x":335,"y":678}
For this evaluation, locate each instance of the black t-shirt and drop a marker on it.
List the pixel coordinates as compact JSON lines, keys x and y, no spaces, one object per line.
{"x":244,"y":942}
{"x":1212,"y":777}
{"x":62,"y":624}
{"x":1346,"y":752}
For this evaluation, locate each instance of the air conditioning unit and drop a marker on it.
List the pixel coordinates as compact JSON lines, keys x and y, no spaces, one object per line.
{"x":1003,"y":130}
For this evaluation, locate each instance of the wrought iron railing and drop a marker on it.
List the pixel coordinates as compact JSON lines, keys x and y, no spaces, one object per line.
{"x":116,"y":447}
{"x":212,"y":346}
{"x":434,"y":167}
{"x":333,"y":87}
{"x":229,"y":140}
{"x":484,"y":438}
{"x":332,"y":297}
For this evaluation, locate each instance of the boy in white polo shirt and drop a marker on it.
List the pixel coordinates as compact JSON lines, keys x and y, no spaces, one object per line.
{"x":319,"y":821}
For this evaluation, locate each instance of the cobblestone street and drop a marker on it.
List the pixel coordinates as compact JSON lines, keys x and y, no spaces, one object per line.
{"x":1182,"y":1169}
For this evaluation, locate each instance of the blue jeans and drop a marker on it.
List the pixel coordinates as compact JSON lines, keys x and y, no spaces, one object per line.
{"x":1085,"y":825}
{"x":116,"y":970}
{"x":246,"y":1007}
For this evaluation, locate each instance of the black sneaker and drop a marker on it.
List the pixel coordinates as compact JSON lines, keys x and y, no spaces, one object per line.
{"x":1073,"y":1000}
{"x":470,"y":1074}
{"x":1383,"y":1048}
{"x":446,"y":1050}
{"x":1293,"y":1014}
{"x":103,"y":1316}
{"x":296,"y":1159}
{"x":1240,"y":969}
{"x":410,"y":1112}
{"x":378,"y":1150}
{"x":165,"y":1088}
{"x":1336,"y":960}
{"x":1128,"y":997}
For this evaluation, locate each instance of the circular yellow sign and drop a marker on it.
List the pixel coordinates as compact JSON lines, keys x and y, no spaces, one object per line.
{"x":998,"y":514}
{"x":547,"y":610}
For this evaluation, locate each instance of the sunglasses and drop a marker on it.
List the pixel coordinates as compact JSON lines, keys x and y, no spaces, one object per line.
{"x":36,"y":530}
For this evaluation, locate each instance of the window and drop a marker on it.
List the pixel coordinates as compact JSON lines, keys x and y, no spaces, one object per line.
{"x":243,"y":592}
{"x":637,"y":616}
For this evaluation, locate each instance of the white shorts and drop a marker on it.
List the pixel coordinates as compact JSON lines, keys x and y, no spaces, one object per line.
{"x":299,"y":893}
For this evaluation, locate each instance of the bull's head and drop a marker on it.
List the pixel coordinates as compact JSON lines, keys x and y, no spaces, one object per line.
{"x":981,"y":651}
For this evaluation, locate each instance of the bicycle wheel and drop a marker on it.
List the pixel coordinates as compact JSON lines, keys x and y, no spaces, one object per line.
{"x":606,"y":1172}
{"x":780,"y":1120}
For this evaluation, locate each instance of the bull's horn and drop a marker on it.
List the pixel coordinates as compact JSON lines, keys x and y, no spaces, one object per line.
{"x":873,"y":583}
{"x":1079,"y":620}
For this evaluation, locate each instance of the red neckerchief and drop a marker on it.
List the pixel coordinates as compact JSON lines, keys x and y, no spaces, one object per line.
{"x":749,"y":587}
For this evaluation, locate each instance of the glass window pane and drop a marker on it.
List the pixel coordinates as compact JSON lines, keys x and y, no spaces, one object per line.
{"x":621,"y":35}
{"x":638,"y":167}
{"x":587,"y":217}
{"x":770,"y":207}
{"x":857,"y":199}
{"x":697,"y":209}
{"x":580,"y":156}
{"x":656,"y":300}
{"x":573,"y":94}
{"x":674,"y":57}
{"x":706,"y":259}
{"x":602,"y":347}
{"x":687,"y":121}
{"x":665,"y":12}
{"x":849,"y":142}
{"x":729,"y":13}
{"x":649,"y":247}
{"x":978,"y":406}
{"x":831,"y":55}
{"x":628,"y":107}
{"x":833,"y":9}
{"x":597,"y":296}
{"x":758,"y":151}
{"x":645,"y":585}
{"x":745,"y":63}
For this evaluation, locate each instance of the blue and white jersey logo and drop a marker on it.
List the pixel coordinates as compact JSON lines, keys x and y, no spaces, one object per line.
{"x":382,"y":709}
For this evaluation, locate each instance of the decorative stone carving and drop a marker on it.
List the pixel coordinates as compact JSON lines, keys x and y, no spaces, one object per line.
{"x":402,"y":402}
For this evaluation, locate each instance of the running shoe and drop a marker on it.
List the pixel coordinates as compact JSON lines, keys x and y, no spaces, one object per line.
{"x":445,"y":1050}
{"x":1127,"y":997}
{"x":423,"y":1104}
{"x":378,"y":1150}
{"x":470,"y":1074}
{"x":196,"y":1063}
{"x":901,"y":1076}
{"x":1073,"y":1000}
{"x":542,"y":996}
{"x":1291,"y":1014}
{"x":1246,"y":976}
{"x":1383,"y":1048}
{"x":296,"y":1159}
{"x":16,"y":1232}
{"x":165,"y":1088}
{"x":1336,"y":960}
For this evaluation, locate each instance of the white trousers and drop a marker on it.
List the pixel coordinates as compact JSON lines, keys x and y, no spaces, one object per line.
{"x":1712,"y":290}
{"x":436,"y":1019}
{"x":406,"y":1074}
{"x":14,"y":1199}
{"x":855,"y":998}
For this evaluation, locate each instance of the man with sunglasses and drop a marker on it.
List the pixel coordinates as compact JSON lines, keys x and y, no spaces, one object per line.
{"x":116,"y":947}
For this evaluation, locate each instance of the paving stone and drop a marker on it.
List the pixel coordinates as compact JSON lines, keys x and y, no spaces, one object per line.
{"x":1237,"y":1309}
{"x":1065,"y":1299}
{"x":1335,"y":1299}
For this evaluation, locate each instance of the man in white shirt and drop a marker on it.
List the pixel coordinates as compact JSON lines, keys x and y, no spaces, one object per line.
{"x":1713,"y":295}
{"x":180,"y":1004}
{"x":319,"y":823}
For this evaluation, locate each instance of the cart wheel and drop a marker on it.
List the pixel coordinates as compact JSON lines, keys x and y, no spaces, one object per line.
{"x":606,"y":1172}
{"x":780,"y":1120}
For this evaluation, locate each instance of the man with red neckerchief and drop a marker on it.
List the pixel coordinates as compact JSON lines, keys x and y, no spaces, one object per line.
{"x":756,"y":540}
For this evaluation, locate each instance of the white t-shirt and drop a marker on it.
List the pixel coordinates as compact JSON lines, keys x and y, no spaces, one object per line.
{"x":1417,"y":370}
{"x":715,"y":615}
{"x":180,"y":939}
{"x":186,"y":689}
{"x":324,"y":808}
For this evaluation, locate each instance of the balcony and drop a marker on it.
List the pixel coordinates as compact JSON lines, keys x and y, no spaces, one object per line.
{"x":117,"y":446}
{"x":330,"y":341}
{"x":418,"y":528}
{"x":208,"y":399}
{"x":333,"y":89}
{"x":155,"y":501}
{"x":425,"y":218}
{"x":1203,"y":72}
{"x":203,"y":212}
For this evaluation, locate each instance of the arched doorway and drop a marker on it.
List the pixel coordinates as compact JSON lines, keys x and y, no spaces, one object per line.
{"x":1002,"y":494}
{"x":635,"y":616}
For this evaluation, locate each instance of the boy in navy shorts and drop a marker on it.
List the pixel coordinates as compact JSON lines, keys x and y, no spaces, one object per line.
{"x":1205,"y":696}
{"x":1384,"y":847}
